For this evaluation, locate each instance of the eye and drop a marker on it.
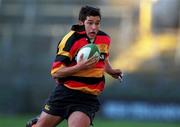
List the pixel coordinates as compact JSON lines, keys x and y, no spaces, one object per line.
{"x":97,"y":23}
{"x":90,"y":23}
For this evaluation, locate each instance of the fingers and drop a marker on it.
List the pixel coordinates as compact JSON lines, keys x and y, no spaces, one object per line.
{"x":96,"y":58}
{"x":120,"y":75}
{"x":91,"y":61}
{"x":93,"y":58}
{"x":117,"y":74}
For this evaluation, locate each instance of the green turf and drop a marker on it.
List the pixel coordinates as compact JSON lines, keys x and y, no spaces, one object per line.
{"x":112,"y":123}
{"x":19,"y":121}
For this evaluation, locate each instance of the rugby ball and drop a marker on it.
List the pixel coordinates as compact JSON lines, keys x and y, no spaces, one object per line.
{"x":88,"y":51}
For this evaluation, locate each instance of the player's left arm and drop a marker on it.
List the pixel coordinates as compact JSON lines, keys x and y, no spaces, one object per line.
{"x":115,"y":73}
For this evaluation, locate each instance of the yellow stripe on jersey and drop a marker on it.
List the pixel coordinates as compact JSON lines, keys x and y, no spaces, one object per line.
{"x":93,"y":72}
{"x":63,"y":43}
{"x":65,"y":53}
{"x":85,"y":89}
{"x":56,"y":69}
{"x":103,"y":48}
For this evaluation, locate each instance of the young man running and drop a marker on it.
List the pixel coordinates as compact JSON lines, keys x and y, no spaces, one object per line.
{"x":75,"y":96}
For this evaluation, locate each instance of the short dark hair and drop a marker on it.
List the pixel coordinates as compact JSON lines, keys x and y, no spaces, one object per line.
{"x":88,"y":11}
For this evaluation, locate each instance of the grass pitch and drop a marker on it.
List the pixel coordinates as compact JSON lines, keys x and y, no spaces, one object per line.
{"x":20,"y":121}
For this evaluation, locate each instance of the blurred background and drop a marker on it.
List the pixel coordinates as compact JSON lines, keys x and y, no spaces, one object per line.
{"x":145,"y":46}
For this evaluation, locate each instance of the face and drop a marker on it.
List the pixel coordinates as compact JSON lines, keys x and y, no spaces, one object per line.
{"x":92,"y":24}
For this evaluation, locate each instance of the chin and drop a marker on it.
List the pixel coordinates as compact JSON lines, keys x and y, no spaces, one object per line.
{"x":92,"y":37}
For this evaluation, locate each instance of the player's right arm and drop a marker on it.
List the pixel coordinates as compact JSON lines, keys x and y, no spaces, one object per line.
{"x":65,"y":71}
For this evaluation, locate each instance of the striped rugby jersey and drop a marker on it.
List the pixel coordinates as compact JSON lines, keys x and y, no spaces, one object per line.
{"x":92,"y":80}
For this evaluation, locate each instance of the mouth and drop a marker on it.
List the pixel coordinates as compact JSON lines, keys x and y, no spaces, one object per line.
{"x":92,"y":34}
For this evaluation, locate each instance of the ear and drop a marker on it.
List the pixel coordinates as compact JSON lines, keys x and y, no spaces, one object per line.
{"x":81,"y":23}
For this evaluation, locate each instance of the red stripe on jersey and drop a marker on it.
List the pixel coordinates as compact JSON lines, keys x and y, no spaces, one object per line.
{"x":92,"y":89}
{"x":77,"y":45}
{"x":56,"y":64}
{"x":101,"y":39}
{"x":100,"y":64}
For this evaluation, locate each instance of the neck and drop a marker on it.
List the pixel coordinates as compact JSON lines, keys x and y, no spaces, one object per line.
{"x":92,"y":40}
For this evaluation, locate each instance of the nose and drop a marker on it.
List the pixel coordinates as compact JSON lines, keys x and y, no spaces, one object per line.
{"x":94,"y":26}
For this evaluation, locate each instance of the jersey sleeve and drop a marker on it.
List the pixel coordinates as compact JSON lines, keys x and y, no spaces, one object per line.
{"x":103,"y":41}
{"x":63,"y":54}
